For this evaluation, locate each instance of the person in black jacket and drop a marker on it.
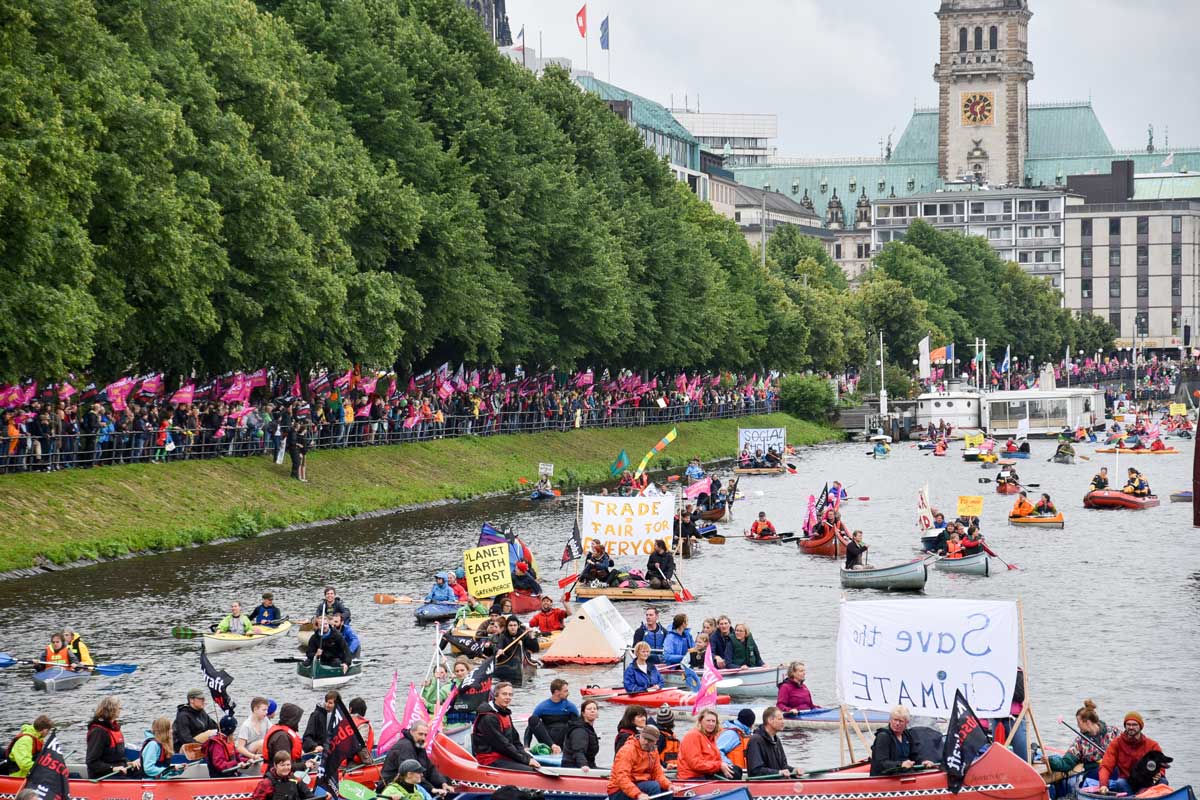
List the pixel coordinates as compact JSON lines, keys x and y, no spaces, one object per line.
{"x":660,"y":567}
{"x":192,"y":722}
{"x":764,"y":751}
{"x":105,"y":742}
{"x":494,"y":739}
{"x":321,"y":722}
{"x":582,"y":745}
{"x":330,"y":604}
{"x":297,"y":448}
{"x":895,"y":750}
{"x":411,"y":744}
{"x":329,"y":645}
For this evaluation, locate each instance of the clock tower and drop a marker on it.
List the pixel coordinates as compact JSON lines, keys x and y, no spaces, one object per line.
{"x":983,"y":97}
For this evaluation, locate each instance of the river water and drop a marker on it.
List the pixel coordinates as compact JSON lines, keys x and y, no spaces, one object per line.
{"x":1111,"y":604}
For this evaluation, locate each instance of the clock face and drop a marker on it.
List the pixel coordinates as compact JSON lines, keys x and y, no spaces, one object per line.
{"x":978,"y":108}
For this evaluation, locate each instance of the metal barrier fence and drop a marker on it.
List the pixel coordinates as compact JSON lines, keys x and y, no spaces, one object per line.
{"x":258,"y":437}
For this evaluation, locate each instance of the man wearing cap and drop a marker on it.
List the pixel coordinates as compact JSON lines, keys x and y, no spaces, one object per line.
{"x":407,"y":784}
{"x":764,"y":752}
{"x":636,"y":771}
{"x":1123,"y":754}
{"x":192,"y":722}
{"x":266,"y":612}
{"x":411,"y":747}
{"x":762,"y":526}
{"x":549,"y":618}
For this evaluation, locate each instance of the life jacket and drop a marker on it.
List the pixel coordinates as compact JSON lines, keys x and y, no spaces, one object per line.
{"x":163,"y":759}
{"x":669,"y":753}
{"x":210,"y":747}
{"x":61,"y":656}
{"x":953,"y":549}
{"x":483,"y":753}
{"x":115,"y":752}
{"x":761,"y":528}
{"x":369,"y":738}
{"x":283,"y":788}
{"x":738,"y":754}
{"x":297,"y":744}
{"x":8,"y":766}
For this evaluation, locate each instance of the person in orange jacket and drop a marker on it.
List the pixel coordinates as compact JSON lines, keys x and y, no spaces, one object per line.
{"x":636,"y":772}
{"x":699,"y":756}
{"x":762,"y":526}
{"x":1123,"y":754}
{"x":1022,"y":508}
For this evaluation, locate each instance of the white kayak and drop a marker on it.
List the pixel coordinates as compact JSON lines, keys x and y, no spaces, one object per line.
{"x":220,"y":642}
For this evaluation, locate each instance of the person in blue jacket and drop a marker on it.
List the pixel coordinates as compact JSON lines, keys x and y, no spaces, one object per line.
{"x":441,"y":591}
{"x":641,"y":675}
{"x":678,"y":641}
{"x":721,"y":643}
{"x":266,"y":612}
{"x":652,"y":633}
{"x":353,"y":644}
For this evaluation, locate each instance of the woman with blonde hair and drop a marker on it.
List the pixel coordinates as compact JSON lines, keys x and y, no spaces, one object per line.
{"x":793,"y":694}
{"x":642,"y":675}
{"x":157,"y":750}
{"x":699,"y":756}
{"x":695,"y":653}
{"x":105,"y":742}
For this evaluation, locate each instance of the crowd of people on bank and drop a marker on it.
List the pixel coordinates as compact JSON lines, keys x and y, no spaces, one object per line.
{"x":47,"y":431}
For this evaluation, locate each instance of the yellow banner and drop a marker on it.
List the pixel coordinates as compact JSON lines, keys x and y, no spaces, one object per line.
{"x":972,"y":440}
{"x":1178,"y":410}
{"x":487,"y":569}
{"x":970,"y":505}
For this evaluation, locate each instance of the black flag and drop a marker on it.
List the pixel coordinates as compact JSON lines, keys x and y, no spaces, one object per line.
{"x":574,"y":546}
{"x":49,"y":776}
{"x":218,"y":683}
{"x":476,"y":687}
{"x":822,"y":501}
{"x":345,"y":742}
{"x":965,"y":742}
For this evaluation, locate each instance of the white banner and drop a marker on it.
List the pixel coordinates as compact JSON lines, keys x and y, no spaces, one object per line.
{"x":762,"y":439}
{"x":627,"y":526}
{"x":923,"y":370}
{"x":915,"y":653}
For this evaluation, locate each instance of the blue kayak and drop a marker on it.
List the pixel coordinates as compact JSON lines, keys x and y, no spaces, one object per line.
{"x":1017,"y":454}
{"x":436,"y":612}
{"x":542,"y":496}
{"x":58,"y":679}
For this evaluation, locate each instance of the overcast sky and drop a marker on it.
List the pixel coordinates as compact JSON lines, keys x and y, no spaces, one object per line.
{"x":842,"y":74}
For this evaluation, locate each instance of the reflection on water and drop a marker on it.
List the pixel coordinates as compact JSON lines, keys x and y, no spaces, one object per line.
{"x":1111,"y":604}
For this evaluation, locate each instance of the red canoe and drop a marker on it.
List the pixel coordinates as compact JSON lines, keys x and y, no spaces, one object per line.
{"x":524,"y":602}
{"x":660,"y":697}
{"x":997,"y":775}
{"x":1109,"y":498}
{"x":1007,"y":488}
{"x":826,"y":544}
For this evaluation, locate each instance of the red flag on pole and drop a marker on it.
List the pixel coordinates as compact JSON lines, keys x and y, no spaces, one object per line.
{"x":581,"y":21}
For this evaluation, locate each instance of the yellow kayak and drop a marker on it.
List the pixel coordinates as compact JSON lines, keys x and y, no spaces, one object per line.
{"x":218,"y":642}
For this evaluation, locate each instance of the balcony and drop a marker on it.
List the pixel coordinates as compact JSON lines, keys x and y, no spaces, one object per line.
{"x":1038,"y":216}
{"x":1039,"y":241}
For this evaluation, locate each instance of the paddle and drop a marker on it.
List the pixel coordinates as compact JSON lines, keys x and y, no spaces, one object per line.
{"x":389,"y":599}
{"x":687,"y":596}
{"x":1022,"y":485}
{"x":678,"y":597}
{"x":992,"y":553}
{"x":107,"y":670}
{"x":715,"y":540}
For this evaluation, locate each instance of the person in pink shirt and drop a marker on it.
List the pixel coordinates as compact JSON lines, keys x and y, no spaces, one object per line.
{"x":793,"y":694}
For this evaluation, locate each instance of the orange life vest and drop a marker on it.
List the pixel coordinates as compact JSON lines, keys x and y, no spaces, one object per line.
{"x":738,"y":754}
{"x":297,"y":744}
{"x":369,"y":737}
{"x":953,"y":549}
{"x":669,"y":753}
{"x":61,"y":656}
{"x":761,"y":528}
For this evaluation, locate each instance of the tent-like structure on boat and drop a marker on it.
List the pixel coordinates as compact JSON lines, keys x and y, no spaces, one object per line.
{"x":595,"y":634}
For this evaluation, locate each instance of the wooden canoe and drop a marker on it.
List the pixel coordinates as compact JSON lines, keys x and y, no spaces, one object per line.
{"x":1141,"y":451}
{"x":759,"y":470}
{"x":907,"y":577}
{"x":619,"y":593}
{"x":1039,"y":520}
{"x":715,"y":514}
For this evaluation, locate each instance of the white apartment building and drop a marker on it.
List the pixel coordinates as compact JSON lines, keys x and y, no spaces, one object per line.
{"x":744,"y":139}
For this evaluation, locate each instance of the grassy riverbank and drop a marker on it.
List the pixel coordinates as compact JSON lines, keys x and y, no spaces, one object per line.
{"x":66,"y":516}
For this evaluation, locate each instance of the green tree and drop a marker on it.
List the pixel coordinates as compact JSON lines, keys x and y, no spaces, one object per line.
{"x":802,"y":256}
{"x":809,"y":397}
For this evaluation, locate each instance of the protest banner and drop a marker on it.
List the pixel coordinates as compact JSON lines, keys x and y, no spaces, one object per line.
{"x":488,"y":572}
{"x":970,"y":505}
{"x":627,"y":526}
{"x":1177,"y":410}
{"x":918,"y":653}
{"x":761,"y":439}
{"x":545,"y":470}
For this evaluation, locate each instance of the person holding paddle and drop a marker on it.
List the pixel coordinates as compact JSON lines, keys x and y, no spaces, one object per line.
{"x":266,"y":612}
{"x":763,"y":528}
{"x":58,"y":654}
{"x":105,"y":742}
{"x":660,"y":567}
{"x":494,"y":739}
{"x":192,"y":722}
{"x":236,"y":622}
{"x":636,"y":771}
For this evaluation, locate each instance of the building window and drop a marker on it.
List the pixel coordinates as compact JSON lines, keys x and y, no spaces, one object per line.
{"x":979,"y":38}
{"x":1023,"y":257}
{"x":929,"y":210}
{"x":962,"y":40}
{"x":1176,"y":285}
{"x":1143,"y":287}
{"x":1041,"y":206}
{"x":1176,"y":254}
{"x":1114,"y":287}
{"x":1175,"y":323}
{"x":1143,"y":255}
{"x":993,"y":37}
{"x":976,"y":209}
{"x":1085,"y":228}
{"x":1114,"y":319}
{"x":864,"y":250}
{"x":1085,"y":257}
{"x":1024,"y":206}
{"x":837,"y":251}
{"x":1114,"y":257}
{"x":1085,"y":287}
{"x":1176,"y":224}
{"x":1143,"y":226}
{"x":1114,"y":226}
{"x":737,"y":216}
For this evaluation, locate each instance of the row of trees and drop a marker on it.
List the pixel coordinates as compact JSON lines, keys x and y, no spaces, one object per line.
{"x":208,"y":185}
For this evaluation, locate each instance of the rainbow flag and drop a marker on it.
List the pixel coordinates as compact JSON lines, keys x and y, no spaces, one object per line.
{"x":658,"y":448}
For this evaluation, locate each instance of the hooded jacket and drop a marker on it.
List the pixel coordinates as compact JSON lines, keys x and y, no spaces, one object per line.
{"x":189,"y":722}
{"x":676,"y":646}
{"x":441,"y":592}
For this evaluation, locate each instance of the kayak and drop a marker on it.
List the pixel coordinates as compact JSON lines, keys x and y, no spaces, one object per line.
{"x":814,"y":718}
{"x":715,"y":514}
{"x":1141,"y":451}
{"x":653,"y":699}
{"x":319,"y":676}
{"x":998,"y":774}
{"x":770,"y":538}
{"x":220,"y":642}
{"x":542,"y":495}
{"x":640,"y":593}
{"x":1109,"y":498}
{"x":826,"y":544}
{"x":754,"y":681}
{"x":759,"y":470}
{"x":878,"y":455}
{"x":239,"y":788}
{"x":1182,"y":497}
{"x":1017,"y":454}
{"x":1039,"y":520}
{"x":974,"y":564}
{"x":907,"y":577}
{"x":1007,"y":488}
{"x":975,"y":454}
{"x":59,"y":679}
{"x":436,"y":612}
{"x":1064,"y":458}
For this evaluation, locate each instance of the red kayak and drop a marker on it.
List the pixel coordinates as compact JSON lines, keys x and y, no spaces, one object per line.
{"x":524,"y":602}
{"x":1110,"y":498}
{"x":654,"y":699}
{"x":1007,"y":488}
{"x":997,"y":775}
{"x":827,"y":543}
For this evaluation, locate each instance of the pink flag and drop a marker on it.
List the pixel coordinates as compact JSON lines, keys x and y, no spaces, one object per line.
{"x":258,"y":377}
{"x":236,"y":389}
{"x":435,"y":726}
{"x":344,"y":381}
{"x":412,"y":385}
{"x":391,"y":729}
{"x":698,"y":488}
{"x":445,"y":390}
{"x":296,"y":385}
{"x":9,"y":395}
{"x":185,"y":394}
{"x":363,"y":411}
{"x":391,"y":392}
{"x":152,"y":385}
{"x":240,"y":414}
{"x":414,"y":416}
{"x":681,"y":382}
{"x":706,"y":695}
{"x":65,"y":390}
{"x":810,"y":519}
{"x":414,"y":709}
{"x":117,"y":392}
{"x":368,"y":386}
{"x":474,"y":379}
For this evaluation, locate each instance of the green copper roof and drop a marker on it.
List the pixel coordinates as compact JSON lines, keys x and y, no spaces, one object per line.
{"x":920,"y":138}
{"x":646,"y":113}
{"x":1064,"y":129}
